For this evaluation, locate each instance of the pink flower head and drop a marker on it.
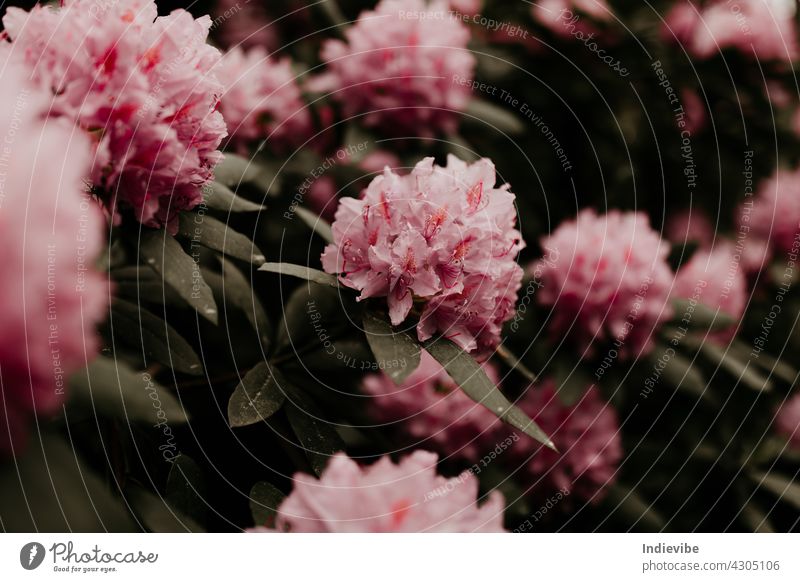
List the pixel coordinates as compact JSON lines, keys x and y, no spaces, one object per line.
{"x":586,"y":435}
{"x":565,"y":16}
{"x":141,"y":86}
{"x":397,"y":67}
{"x":763,"y":29}
{"x":715,"y":279}
{"x":407,"y":497}
{"x":262,"y":100}
{"x":430,"y":407}
{"x":441,"y":237}
{"x":50,"y":236}
{"x":690,"y":225}
{"x":466,"y":7}
{"x":774,"y":214}
{"x":787,"y":420}
{"x":607,"y":278}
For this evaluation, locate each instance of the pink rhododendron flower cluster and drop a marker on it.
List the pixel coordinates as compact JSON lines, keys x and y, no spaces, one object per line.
{"x":774,"y":215}
{"x":608,"y":279}
{"x":787,"y":420}
{"x":434,"y":412}
{"x":764,"y":29}
{"x":587,"y":438}
{"x":51,"y":234}
{"x":262,"y":100}
{"x":142,"y":87}
{"x":441,"y":237}
{"x":386,"y":497}
{"x":399,"y":67}
{"x":715,"y":278}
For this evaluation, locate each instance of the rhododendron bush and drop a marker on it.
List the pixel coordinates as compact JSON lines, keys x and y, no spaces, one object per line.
{"x":399,"y":266}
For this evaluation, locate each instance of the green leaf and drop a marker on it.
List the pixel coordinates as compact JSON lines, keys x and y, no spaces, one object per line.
{"x":755,"y":519}
{"x":784,"y":487}
{"x":315,"y":223}
{"x":635,"y":510}
{"x":460,"y":147}
{"x":727,"y":360}
{"x":48,"y":488}
{"x":219,"y":197}
{"x":769,"y":364}
{"x":185,"y":489}
{"x":390,"y":347}
{"x":235,"y":170}
{"x":213,"y":234}
{"x":153,"y":337}
{"x":259,"y":395}
{"x":469,"y":375}
{"x":495,"y":116}
{"x":180,"y":271}
{"x":265,"y":499}
{"x":318,"y":438}
{"x":678,"y":371}
{"x":701,"y":317}
{"x":156,"y":513}
{"x":236,"y":290}
{"x":112,"y":388}
{"x":303,"y":316}
{"x":313,"y":275}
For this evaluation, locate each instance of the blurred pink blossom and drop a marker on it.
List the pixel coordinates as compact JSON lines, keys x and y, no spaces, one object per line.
{"x":441,"y":237}
{"x":715,"y":279}
{"x":787,"y":420}
{"x":386,"y":497}
{"x":467,"y":7}
{"x":142,"y":88}
{"x":761,"y":28}
{"x":433,"y":412}
{"x":607,"y":278}
{"x":774,"y":214}
{"x":587,"y":436}
{"x":262,"y":101}
{"x":399,"y":70}
{"x":50,"y":235}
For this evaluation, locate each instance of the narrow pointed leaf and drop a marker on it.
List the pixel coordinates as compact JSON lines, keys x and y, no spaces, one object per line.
{"x":153,"y":337}
{"x":784,"y":487}
{"x":469,"y":375}
{"x":495,"y":116}
{"x":290,"y":270}
{"x":318,"y":438}
{"x":391,"y":347}
{"x":213,"y":234}
{"x":315,"y":223}
{"x":220,"y":197}
{"x":701,"y":317}
{"x":259,"y":395}
{"x":112,"y":388}
{"x":265,"y":499}
{"x":180,"y":271}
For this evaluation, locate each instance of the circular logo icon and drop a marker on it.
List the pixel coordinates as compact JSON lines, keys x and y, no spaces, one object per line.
{"x":31,"y":555}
